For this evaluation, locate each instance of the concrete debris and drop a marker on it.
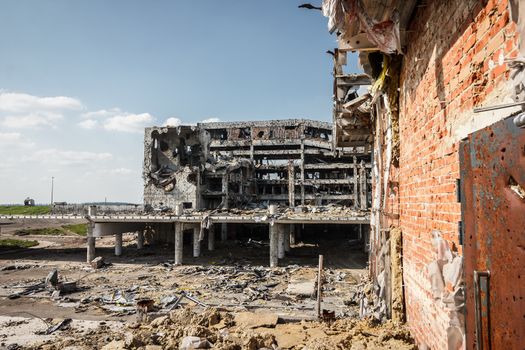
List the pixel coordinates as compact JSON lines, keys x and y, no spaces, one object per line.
{"x":52,"y":278}
{"x":301,"y":288}
{"x":254,"y":282}
{"x":211,"y":328}
{"x":64,"y":324}
{"x":15,"y":267}
{"x":189,"y":343}
{"x":98,"y":262}
{"x":255,"y":320}
{"x":368,"y":298}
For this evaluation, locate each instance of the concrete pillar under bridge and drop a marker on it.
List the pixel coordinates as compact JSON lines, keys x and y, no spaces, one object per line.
{"x":179,"y":242}
{"x":196,"y":242}
{"x":280,"y":245}
{"x":118,"y":244}
{"x":92,"y":211}
{"x":273,"y":245}
{"x":101,"y":229}
{"x":140,"y":240}
{"x":90,"y":249}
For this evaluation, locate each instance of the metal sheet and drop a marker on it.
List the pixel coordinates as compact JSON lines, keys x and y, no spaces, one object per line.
{"x":493,"y":212}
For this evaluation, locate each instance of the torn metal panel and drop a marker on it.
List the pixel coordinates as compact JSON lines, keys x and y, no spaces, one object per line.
{"x":492,"y":168}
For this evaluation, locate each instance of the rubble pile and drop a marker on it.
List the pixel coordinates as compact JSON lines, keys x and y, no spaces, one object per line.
{"x":254,"y":282}
{"x":214,"y":329}
{"x":367,"y":298}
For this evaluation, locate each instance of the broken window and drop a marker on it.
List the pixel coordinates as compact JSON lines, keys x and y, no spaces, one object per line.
{"x":219,"y":134}
{"x":244,"y":133}
{"x":164,"y":146}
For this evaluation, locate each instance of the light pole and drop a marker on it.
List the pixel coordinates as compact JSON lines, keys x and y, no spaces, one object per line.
{"x":52,"y":185}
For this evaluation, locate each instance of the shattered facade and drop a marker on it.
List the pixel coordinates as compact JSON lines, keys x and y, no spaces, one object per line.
{"x":436,"y":69}
{"x":252,"y":164}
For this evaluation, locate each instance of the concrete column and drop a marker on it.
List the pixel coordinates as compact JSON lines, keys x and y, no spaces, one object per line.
{"x":211,"y":237}
{"x":280,"y":244}
{"x":360,"y":236}
{"x":225,"y":190}
{"x":118,"y":244}
{"x":140,"y":239}
{"x":292,"y":234}
{"x":224,"y":231}
{"x":291,"y":183}
{"x":196,"y":243}
{"x":90,"y":253}
{"x":287,"y":238}
{"x":273,"y":245}
{"x":90,"y":249}
{"x":178,"y":243}
{"x":356,"y":184}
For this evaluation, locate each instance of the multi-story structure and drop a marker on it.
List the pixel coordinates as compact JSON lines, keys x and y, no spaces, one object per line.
{"x":247,"y":164}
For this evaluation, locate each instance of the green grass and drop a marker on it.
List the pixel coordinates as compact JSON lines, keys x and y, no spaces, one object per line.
{"x":46,"y":231}
{"x":78,"y":229}
{"x":17,"y":243}
{"x":23,"y":210}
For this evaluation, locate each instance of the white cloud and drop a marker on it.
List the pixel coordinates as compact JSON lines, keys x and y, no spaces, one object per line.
{"x":115,"y":119}
{"x":16,"y":142}
{"x":14,"y":102}
{"x":129,"y":122}
{"x":20,"y":111}
{"x":9,"y":137}
{"x":88,"y":124}
{"x":102,"y":113}
{"x":211,"y":120}
{"x":61,"y":157}
{"x":172,"y":122}
{"x":31,"y":120}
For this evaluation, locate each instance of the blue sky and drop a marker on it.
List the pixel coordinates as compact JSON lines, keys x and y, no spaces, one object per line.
{"x":80,"y":79}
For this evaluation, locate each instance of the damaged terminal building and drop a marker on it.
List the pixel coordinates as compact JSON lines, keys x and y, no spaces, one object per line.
{"x":253,"y":164}
{"x":292,"y":175}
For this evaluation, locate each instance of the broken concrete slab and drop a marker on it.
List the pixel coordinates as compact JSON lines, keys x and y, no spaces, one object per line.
{"x":98,"y":262}
{"x":302,"y":288}
{"x":255,"y":320}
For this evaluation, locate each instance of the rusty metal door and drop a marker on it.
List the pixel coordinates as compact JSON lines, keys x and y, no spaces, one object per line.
{"x":493,"y":216}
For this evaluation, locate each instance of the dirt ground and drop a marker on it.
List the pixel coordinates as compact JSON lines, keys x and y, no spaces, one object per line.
{"x":251,"y":305}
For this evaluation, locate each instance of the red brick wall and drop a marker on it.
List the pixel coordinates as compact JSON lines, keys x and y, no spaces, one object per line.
{"x":451,"y":64}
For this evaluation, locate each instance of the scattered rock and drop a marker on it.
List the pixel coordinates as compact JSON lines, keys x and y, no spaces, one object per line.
{"x":114,"y":345}
{"x":98,"y":262}
{"x":254,"y":320}
{"x":190,"y":343}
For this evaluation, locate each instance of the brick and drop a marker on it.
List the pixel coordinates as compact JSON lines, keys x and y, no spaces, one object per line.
{"x":429,"y":161}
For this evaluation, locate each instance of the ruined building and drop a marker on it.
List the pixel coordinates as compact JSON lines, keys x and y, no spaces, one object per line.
{"x":446,"y":101}
{"x":243,"y":165}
